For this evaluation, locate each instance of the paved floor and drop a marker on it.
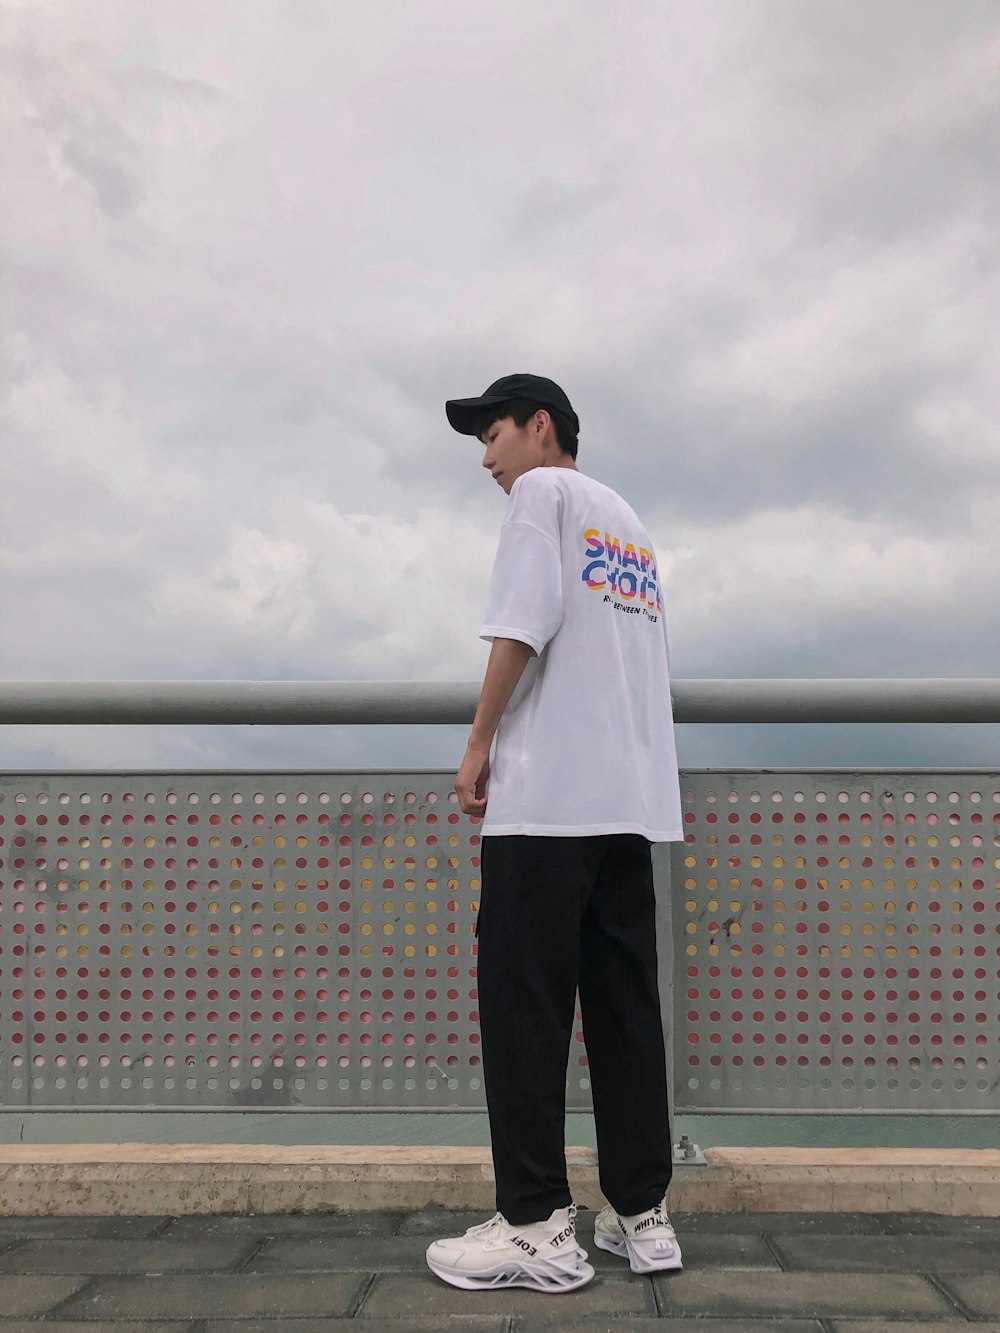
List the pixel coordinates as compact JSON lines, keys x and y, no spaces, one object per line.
{"x":783,"y":1272}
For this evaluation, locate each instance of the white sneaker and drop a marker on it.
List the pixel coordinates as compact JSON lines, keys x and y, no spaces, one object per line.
{"x":648,"y":1239}
{"x":542,"y":1255}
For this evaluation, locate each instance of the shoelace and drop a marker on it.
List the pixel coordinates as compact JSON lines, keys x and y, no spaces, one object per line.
{"x":493,"y":1229}
{"x":489,"y":1230}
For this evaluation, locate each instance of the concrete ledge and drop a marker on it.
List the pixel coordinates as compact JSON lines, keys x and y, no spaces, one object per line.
{"x":179,"y":1179}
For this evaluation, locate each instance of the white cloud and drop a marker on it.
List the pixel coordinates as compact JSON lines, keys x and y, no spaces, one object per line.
{"x":350,"y":596}
{"x":257,"y":589}
{"x":94,"y":439}
{"x":90,"y":551}
{"x":248,"y":261}
{"x":814,"y":591}
{"x":899,"y":308}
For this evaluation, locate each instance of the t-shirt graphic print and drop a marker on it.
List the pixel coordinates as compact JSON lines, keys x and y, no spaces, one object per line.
{"x":586,"y":743}
{"x":626,"y":573}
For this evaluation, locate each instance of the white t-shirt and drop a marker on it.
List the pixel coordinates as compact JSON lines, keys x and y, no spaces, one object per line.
{"x":586,"y":743}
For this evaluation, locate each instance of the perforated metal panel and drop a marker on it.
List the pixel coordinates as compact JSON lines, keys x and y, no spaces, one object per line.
{"x":837,"y":941}
{"x":305,"y":940}
{"x":240,"y":939}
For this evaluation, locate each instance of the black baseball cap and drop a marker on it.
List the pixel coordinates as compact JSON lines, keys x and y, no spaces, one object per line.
{"x":464,"y":412}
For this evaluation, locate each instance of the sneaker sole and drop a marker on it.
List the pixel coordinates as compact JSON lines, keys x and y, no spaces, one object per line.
{"x":637,"y":1260}
{"x":553,"y":1277}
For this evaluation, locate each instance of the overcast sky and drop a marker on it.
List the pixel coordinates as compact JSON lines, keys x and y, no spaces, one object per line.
{"x":250,"y":248}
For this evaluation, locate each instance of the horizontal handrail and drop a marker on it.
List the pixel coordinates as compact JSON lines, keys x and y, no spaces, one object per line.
{"x":428,"y":702}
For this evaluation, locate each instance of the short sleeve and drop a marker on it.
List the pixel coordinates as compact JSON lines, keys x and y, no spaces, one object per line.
{"x":525,"y":598}
{"x":666,"y":634}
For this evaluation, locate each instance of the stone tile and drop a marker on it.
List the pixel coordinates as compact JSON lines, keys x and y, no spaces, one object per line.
{"x":829,"y":1224}
{"x":407,"y":1253}
{"x":457,"y":1323}
{"x":733,"y":1251}
{"x":727,"y":1252}
{"x":229,"y":1295}
{"x":935,"y":1224}
{"x":80,"y":1228}
{"x":71,"y":1326}
{"x":888,"y":1254}
{"x":738,"y":1250}
{"x":126,"y":1256}
{"x":260,"y":1225}
{"x":528,"y":1323}
{"x":894,"y":1326}
{"x":34,"y":1295}
{"x":980,"y":1295}
{"x":436,"y":1223}
{"x":728,"y":1294}
{"x":550,"y":1317}
{"x":406,"y":1295}
{"x":347,"y":1254}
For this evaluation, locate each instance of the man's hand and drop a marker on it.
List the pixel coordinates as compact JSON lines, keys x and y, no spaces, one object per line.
{"x":470,"y":784}
{"x":508,"y":658}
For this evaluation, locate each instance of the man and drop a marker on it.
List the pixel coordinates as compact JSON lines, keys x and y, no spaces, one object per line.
{"x":583,"y":781}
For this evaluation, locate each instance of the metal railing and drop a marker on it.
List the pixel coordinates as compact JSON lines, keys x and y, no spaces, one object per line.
{"x":403,"y":702}
{"x":829,"y":939}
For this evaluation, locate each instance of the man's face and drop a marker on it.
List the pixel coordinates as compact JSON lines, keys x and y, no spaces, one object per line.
{"x":512,"y":450}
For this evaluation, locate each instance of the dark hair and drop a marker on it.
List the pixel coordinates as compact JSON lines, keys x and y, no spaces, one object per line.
{"x":522,"y":410}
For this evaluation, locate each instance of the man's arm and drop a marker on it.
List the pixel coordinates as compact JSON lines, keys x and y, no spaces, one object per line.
{"x":508,"y":658}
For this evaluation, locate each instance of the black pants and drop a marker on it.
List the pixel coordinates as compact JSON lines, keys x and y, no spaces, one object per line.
{"x":555,"y":914}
